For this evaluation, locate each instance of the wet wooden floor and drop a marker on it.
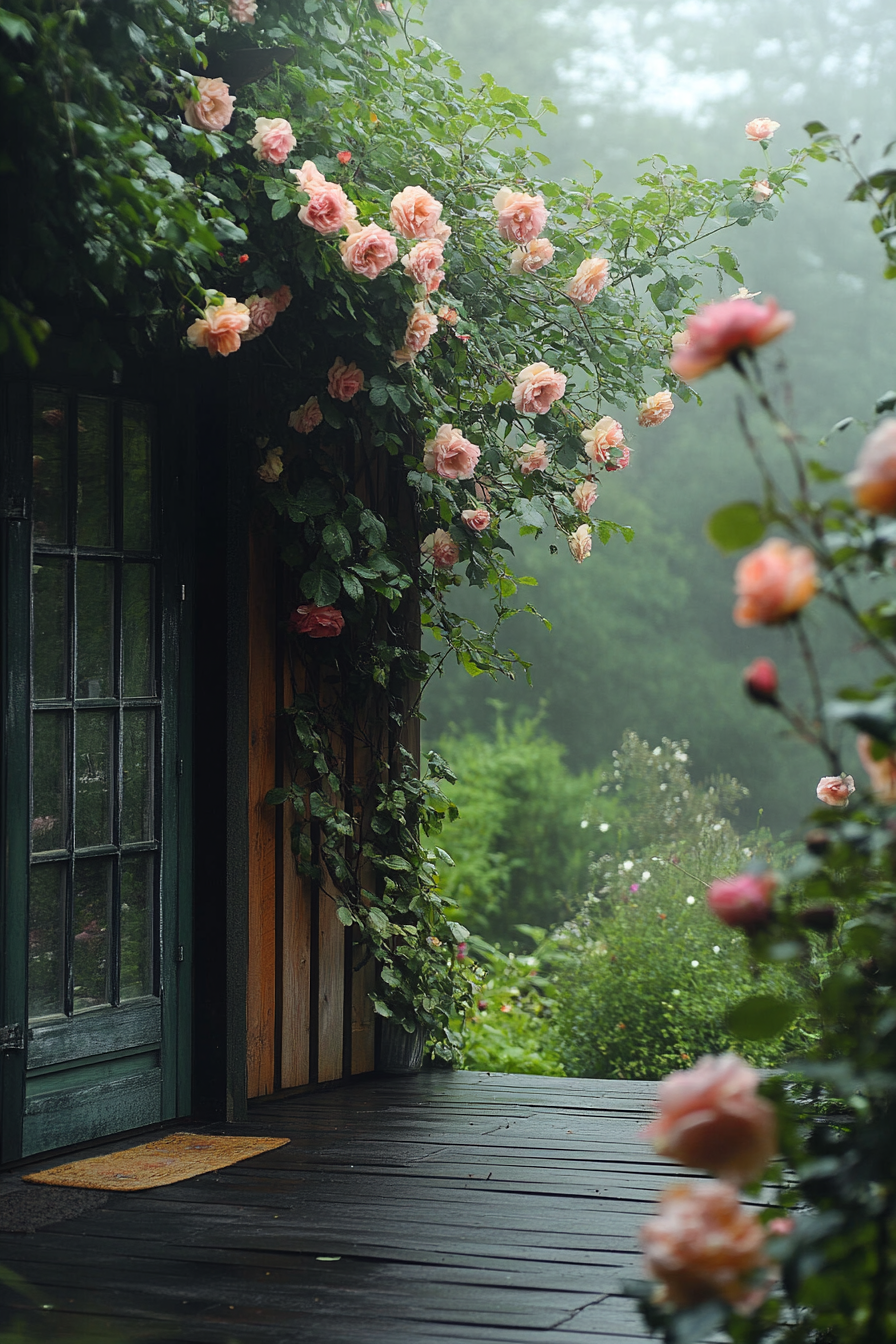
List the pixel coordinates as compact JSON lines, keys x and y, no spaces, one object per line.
{"x":451,"y":1206}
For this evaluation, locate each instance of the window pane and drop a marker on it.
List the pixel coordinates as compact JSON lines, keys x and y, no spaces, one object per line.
{"x":49,"y":821}
{"x":137,"y":925}
{"x":137,"y":476}
{"x":136,"y":625}
{"x":95,"y":591}
{"x":94,"y":472}
{"x":50,"y":629}
{"x":92,"y":919}
{"x":46,"y":939}
{"x":94,"y":757}
{"x":50,"y":449}
{"x":138,"y":776}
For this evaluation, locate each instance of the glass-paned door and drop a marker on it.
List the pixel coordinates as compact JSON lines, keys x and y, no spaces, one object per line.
{"x":101,"y":744}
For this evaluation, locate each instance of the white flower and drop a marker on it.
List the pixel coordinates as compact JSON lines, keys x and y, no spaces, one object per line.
{"x":695,"y":963}
{"x":628,"y":865}
{"x":604,"y":826}
{"x":645,"y":876}
{"x":716,"y":948}
{"x":690,"y":900}
{"x":676,"y":992}
{"x":583,"y":823}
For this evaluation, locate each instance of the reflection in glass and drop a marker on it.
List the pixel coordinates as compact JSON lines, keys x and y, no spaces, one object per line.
{"x":137,"y":776}
{"x":95,"y":591}
{"x":46,"y":939}
{"x":136,"y":624}
{"x":50,"y":628}
{"x":49,"y":445}
{"x":137,"y":476}
{"x":49,"y":822}
{"x":92,"y":920}
{"x":94,"y":777}
{"x":94,"y":472}
{"x":137,"y":924}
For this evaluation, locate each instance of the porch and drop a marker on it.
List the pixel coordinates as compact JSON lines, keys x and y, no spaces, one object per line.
{"x":450,"y":1206}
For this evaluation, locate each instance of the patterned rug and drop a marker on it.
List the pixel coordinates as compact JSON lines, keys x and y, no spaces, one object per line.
{"x":163,"y":1162}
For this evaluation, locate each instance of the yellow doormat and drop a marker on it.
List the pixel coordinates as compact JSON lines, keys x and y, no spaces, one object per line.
{"x":163,"y":1162}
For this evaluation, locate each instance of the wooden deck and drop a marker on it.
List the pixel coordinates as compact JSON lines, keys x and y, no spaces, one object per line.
{"x":451,"y":1206}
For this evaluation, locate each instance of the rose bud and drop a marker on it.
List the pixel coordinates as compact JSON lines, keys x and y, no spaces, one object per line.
{"x":743,"y":902}
{"x":761,"y":681}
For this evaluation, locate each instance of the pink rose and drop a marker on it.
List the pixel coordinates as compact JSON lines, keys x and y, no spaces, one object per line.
{"x":711,"y":1117}
{"x":538,"y":386}
{"x":214,"y":108}
{"x":369,"y":251}
{"x":318,"y":622}
{"x":309,"y":177}
{"x":533,"y":459}
{"x":773,"y":583}
{"x":584,"y":496}
{"x":873,"y":482}
{"x":761,"y":681}
{"x":761,"y":191}
{"x":422,"y":324}
{"x":835,"y":790}
{"x":655,"y":409}
{"x":589,"y":280}
{"x":882,"y":773}
{"x":477,"y":520}
{"x":580,"y":543}
{"x":761,"y":128}
{"x":719,"y":331}
{"x":307,"y":417}
{"x":450,"y":455}
{"x":415,"y":213}
{"x":780,"y":1227}
{"x":521,"y":218}
{"x":704,"y":1244}
{"x":272,"y":467}
{"x":273,"y":139}
{"x":622,"y":461}
{"x":328,"y":210}
{"x":242,"y":11}
{"x":221,"y":328}
{"x":441,"y":548}
{"x":344,"y":156}
{"x":600,"y":438}
{"x":344,"y":381}
{"x":262,"y":314}
{"x":526,"y":260}
{"x":742,"y":902}
{"x":281,"y":298}
{"x":449,"y":315}
{"x":423,"y":264}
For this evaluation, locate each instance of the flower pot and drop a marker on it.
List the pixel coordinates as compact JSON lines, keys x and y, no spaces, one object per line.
{"x":399,"y":1051}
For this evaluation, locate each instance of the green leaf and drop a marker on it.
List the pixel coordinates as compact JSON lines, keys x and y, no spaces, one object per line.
{"x":736,"y":525}
{"x":501,"y":393}
{"x":814,"y":127}
{"x":280,"y":209}
{"x":14,"y":28}
{"x":322,"y":586}
{"x":761,"y":1017}
{"x":373,"y":530}
{"x":274,"y":797}
{"x":344,"y":915}
{"x":728,"y":263}
{"x":337,"y":540}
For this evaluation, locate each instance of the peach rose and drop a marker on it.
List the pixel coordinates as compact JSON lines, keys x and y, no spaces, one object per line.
{"x":415,"y":213}
{"x":882,"y":773}
{"x":589,"y":280}
{"x":423,"y":264}
{"x":533,"y":459}
{"x":317,"y":622}
{"x":450,"y":455}
{"x":344,"y":381}
{"x":307,"y":417}
{"x":477,"y":520}
{"x":441,"y":548}
{"x":309,"y":177}
{"x":761,"y":128}
{"x":655,"y":409}
{"x":214,"y":108}
{"x":718,"y":331}
{"x":584,"y":496}
{"x":532,"y":257}
{"x":521,"y":218}
{"x":538,"y":386}
{"x":623,"y":459}
{"x":600,"y":438}
{"x":704,"y":1244}
{"x":580,"y":543}
{"x":835,"y":790}
{"x":774,"y":582}
{"x":711,"y":1117}
{"x":262,"y":314}
{"x":369,"y":251}
{"x":404,"y":355}
{"x":328,"y":210}
{"x":281,"y":297}
{"x":422,"y":324}
{"x":873,"y":482}
{"x":742,"y":902}
{"x":449,"y":315}
{"x":242,"y":11}
{"x":272,"y":467}
{"x":221,"y":328}
{"x":273,"y":139}
{"x":761,"y":191}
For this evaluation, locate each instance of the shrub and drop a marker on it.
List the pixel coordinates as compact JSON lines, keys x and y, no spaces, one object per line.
{"x":511,"y":1029}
